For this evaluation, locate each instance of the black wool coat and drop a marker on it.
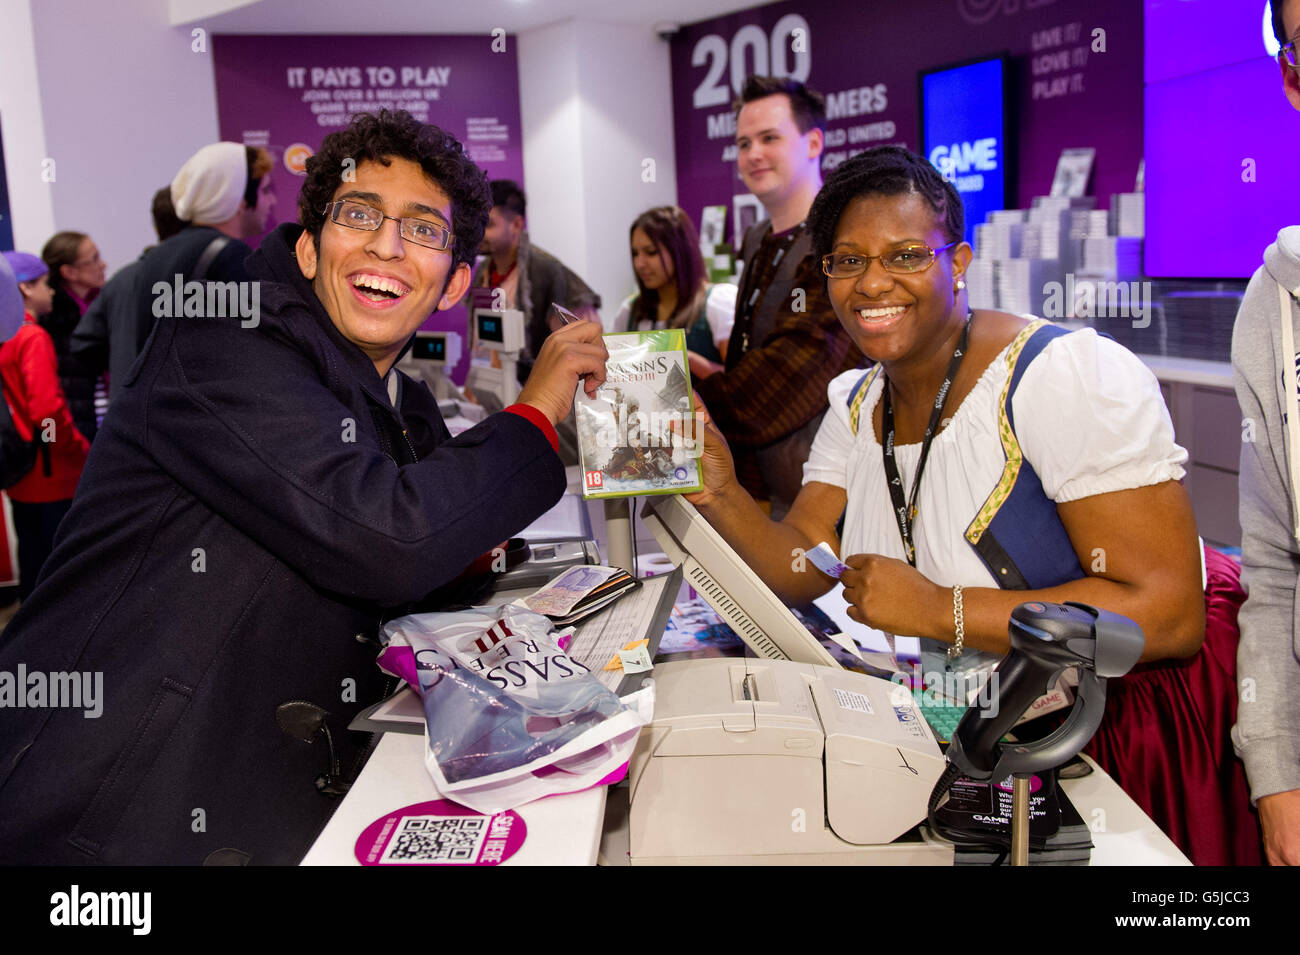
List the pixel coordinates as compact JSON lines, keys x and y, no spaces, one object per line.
{"x":252,"y":509}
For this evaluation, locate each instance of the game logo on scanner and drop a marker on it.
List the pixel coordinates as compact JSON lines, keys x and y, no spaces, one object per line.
{"x":637,"y":436}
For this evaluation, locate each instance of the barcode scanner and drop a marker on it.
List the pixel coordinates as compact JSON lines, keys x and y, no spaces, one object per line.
{"x":1046,"y":640}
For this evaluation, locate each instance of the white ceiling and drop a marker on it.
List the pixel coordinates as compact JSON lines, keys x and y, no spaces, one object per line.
{"x":435,"y":16}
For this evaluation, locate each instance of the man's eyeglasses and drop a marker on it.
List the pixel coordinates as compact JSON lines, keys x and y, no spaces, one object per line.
{"x":1289,"y":54}
{"x":904,"y":261}
{"x":358,"y":215}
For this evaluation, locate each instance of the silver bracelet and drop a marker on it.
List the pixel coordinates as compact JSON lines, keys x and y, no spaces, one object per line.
{"x":958,"y":623}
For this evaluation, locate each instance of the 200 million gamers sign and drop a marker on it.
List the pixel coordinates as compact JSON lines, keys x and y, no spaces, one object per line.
{"x":1070,"y":89}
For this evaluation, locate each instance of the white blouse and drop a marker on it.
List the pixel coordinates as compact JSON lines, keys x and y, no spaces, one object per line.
{"x":1089,"y":418}
{"x":719,"y":310}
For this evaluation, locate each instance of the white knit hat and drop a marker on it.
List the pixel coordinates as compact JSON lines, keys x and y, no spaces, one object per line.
{"x":211,"y":184}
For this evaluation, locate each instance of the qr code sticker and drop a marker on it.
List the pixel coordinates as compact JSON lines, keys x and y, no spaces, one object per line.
{"x":437,"y":839}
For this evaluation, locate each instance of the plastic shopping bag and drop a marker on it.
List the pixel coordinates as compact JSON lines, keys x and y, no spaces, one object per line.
{"x":510,"y":716}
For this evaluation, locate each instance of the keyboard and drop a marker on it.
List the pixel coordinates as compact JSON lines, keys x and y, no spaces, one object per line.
{"x":943,"y":714}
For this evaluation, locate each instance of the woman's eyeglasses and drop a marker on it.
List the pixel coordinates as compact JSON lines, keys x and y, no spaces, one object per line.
{"x":904,"y":261}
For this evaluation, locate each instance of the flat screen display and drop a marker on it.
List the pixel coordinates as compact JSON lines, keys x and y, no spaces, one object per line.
{"x":489,"y":329}
{"x":1221,"y":139}
{"x":965,"y":130}
{"x":430,"y":348}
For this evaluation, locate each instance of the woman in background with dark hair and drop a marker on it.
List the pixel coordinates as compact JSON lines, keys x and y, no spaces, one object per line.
{"x":673,"y":289}
{"x":77,"y":273}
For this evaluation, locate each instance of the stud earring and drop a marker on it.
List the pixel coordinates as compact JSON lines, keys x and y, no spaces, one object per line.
{"x":961,"y":284}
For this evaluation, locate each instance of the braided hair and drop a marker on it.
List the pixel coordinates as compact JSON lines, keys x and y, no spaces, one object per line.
{"x":884,"y":171}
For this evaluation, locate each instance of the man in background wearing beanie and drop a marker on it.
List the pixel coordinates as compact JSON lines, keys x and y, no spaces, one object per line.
{"x":224,"y":194}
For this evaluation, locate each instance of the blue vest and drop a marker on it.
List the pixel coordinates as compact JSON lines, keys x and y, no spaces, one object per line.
{"x":1017,"y":533}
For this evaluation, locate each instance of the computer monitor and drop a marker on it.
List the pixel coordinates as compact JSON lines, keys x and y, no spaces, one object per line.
{"x":731,"y":588}
{"x":501,"y":331}
{"x":440,"y":349}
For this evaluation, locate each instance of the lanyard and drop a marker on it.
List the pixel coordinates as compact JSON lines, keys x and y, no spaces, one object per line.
{"x":905,"y":511}
{"x":751,"y":292}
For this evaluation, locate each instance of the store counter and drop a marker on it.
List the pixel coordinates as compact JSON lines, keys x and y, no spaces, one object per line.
{"x":567,"y":830}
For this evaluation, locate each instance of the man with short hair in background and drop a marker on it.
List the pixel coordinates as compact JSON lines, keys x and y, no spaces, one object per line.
{"x":786,"y":344}
{"x":1267,"y":734}
{"x":530,"y":278}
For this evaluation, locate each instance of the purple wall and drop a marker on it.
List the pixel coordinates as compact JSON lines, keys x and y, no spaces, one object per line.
{"x":866,"y":57}
{"x":1221,"y":140}
{"x":285,"y":93}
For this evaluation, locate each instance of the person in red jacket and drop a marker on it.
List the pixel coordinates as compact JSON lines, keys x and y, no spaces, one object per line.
{"x":29,"y":369}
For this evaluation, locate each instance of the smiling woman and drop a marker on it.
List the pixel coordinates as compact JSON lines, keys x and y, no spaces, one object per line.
{"x":889,"y":227}
{"x":963,"y":495}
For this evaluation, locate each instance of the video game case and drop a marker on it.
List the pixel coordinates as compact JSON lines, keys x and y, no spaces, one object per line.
{"x":630,"y":436}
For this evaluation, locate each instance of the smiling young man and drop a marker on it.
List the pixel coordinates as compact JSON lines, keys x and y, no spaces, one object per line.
{"x":786,"y":344}
{"x":259,"y":502}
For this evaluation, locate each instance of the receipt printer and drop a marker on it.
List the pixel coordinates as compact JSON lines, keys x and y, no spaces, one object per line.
{"x":769,"y":761}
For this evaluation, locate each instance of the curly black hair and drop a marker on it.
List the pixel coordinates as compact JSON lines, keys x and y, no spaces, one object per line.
{"x":885,"y":171}
{"x":390,"y":134}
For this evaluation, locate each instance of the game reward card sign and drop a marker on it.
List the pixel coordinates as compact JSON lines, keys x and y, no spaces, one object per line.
{"x":286,"y":93}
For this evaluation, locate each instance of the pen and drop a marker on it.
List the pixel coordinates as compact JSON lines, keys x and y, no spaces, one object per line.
{"x":566,"y":316}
